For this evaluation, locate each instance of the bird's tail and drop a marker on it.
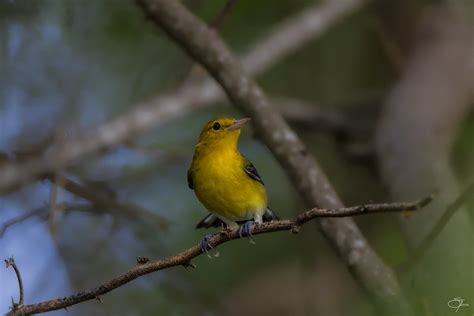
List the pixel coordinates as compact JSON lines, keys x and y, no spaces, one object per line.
{"x":209,"y":221}
{"x":269,"y":215}
{"x":212,"y":220}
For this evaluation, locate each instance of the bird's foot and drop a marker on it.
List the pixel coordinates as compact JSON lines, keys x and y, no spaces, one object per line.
{"x":206,"y":247}
{"x":245,"y":230}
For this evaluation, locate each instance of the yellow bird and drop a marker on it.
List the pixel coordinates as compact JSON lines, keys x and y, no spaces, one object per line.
{"x":226,"y":182}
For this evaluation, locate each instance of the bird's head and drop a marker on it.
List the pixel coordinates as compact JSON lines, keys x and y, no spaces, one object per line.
{"x":222,"y":130}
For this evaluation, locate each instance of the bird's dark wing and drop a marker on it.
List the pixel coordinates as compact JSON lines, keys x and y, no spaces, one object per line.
{"x":210,"y":221}
{"x":251,"y":171}
{"x":190,"y":180}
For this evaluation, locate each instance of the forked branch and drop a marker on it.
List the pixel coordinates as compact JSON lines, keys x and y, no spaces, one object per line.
{"x":10,"y":262}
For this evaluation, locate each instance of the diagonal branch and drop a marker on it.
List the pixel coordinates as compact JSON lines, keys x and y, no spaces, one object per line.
{"x":145,"y":266}
{"x":285,"y":39}
{"x":207,"y":48}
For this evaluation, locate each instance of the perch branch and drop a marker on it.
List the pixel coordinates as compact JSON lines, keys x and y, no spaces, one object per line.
{"x":286,"y":38}
{"x":145,"y":266}
{"x":10,"y":262}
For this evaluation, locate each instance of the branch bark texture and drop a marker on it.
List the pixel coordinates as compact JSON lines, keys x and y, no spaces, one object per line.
{"x":145,"y":266}
{"x":209,"y":50}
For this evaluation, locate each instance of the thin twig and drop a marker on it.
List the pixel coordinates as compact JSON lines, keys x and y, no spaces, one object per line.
{"x":36,"y":212}
{"x":10,"y":262}
{"x":145,"y":266}
{"x":216,"y":23}
{"x":363,"y":209}
{"x":426,"y":243}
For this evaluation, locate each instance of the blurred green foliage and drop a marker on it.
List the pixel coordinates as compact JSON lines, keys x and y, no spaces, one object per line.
{"x":112,"y":57}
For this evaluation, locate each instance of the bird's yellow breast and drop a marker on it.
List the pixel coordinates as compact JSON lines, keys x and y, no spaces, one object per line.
{"x":224,"y":188}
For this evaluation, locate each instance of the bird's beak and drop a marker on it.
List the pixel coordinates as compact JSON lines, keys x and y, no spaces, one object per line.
{"x":238,"y":124}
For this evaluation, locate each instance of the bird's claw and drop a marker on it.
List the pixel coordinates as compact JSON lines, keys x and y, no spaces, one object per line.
{"x":206,"y":247}
{"x":245,"y":230}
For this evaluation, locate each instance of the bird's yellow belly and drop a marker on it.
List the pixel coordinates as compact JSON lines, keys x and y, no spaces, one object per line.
{"x":230,"y":193}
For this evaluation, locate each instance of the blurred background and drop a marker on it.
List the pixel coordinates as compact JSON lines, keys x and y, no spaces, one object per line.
{"x":382,"y":96}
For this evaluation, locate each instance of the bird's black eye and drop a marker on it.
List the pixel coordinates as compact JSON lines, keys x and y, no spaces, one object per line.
{"x":216,"y":126}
